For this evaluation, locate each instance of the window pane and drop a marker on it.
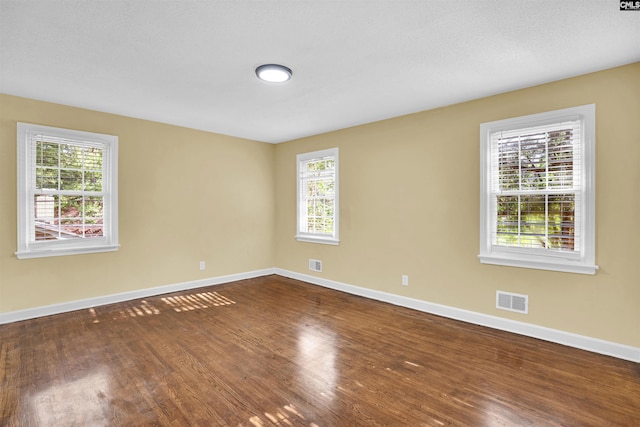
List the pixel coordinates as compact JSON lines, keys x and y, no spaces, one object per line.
{"x":46,"y":210}
{"x":536,"y":161}
{"x":319,"y":208}
{"x":93,"y":159}
{"x":70,"y":180}
{"x":532,"y":221}
{"x":328,"y":225}
{"x":65,"y":217}
{"x":46,"y":179}
{"x":320,"y":188}
{"x":311,"y":188}
{"x":533,"y":162}
{"x":312,"y":224}
{"x":93,"y":181}
{"x":64,"y":166}
{"x":71,"y":156}
{"x":46,"y":154}
{"x":70,"y":217}
{"x":562,"y":222}
{"x":509,"y":164}
{"x":319,"y":166}
{"x":319,"y":199}
{"x":507,"y":221}
{"x":561,"y":159}
{"x":93,"y":211}
{"x":71,"y":228}
{"x":320,"y":215}
{"x":536,"y":221}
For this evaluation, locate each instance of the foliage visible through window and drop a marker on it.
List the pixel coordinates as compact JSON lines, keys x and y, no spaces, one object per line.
{"x":538,"y":199}
{"x":320,"y":194}
{"x":317,"y":195}
{"x":67,"y":191}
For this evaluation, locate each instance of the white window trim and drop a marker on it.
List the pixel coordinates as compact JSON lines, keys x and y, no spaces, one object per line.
{"x":310,"y":237}
{"x":27,"y":247}
{"x":581,"y":261}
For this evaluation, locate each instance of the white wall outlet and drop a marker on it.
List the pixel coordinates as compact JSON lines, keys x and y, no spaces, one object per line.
{"x":202,"y":265}
{"x":405,"y":280}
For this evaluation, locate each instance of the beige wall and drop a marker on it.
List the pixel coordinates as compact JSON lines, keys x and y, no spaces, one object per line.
{"x":409,"y":204}
{"x":185,"y":196}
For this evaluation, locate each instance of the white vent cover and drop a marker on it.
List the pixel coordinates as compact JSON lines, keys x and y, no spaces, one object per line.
{"x":512,"y":302}
{"x":315,"y":265}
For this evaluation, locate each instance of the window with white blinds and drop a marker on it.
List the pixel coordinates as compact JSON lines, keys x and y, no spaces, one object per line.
{"x":538,"y":191}
{"x":318,"y":196}
{"x":67,"y":192}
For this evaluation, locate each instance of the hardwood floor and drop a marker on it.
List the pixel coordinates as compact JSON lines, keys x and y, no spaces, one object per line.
{"x":275,"y":351}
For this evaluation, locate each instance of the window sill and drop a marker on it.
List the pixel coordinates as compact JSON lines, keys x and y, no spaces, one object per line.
{"x":559,"y":265}
{"x":43,"y":253}
{"x":322,"y":240}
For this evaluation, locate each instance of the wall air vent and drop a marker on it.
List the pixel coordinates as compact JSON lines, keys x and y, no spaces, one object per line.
{"x":315,"y":265}
{"x":512,"y":302}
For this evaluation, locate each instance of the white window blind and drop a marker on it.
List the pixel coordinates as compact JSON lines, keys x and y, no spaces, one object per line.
{"x":66,"y":192}
{"x":318,"y":196}
{"x":538,"y":191}
{"x":536,"y":183}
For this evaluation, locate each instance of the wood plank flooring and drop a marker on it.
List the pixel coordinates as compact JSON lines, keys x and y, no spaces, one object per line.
{"x":273,"y":351}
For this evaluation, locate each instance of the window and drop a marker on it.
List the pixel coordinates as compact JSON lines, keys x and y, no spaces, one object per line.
{"x":67,"y":192}
{"x":318,"y":197}
{"x":537,"y":178}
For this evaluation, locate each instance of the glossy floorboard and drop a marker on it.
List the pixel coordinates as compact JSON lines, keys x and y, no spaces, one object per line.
{"x":275,"y":351}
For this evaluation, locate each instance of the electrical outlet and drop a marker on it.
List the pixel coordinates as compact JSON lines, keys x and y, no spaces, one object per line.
{"x":405,"y":280}
{"x":202,"y":265}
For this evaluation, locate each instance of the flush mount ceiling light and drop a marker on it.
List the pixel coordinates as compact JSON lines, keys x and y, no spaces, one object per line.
{"x":273,"y":73}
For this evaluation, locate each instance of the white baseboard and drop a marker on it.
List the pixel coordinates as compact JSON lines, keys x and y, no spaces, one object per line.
{"x":595,"y":345}
{"x":30,"y":313}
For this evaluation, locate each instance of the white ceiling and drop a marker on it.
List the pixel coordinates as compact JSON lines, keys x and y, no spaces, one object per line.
{"x":191,"y":63}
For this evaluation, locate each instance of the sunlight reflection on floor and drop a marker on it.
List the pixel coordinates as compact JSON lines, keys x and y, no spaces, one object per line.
{"x":179,"y":303}
{"x":84,"y":401}
{"x":317,"y":360}
{"x":287,"y":415}
{"x":196,"y":301}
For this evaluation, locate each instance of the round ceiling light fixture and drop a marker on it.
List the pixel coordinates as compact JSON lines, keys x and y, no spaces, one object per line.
{"x":273,"y":73}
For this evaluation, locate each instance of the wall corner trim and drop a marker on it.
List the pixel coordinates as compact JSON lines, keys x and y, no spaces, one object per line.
{"x":48,"y":310}
{"x":595,"y":345}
